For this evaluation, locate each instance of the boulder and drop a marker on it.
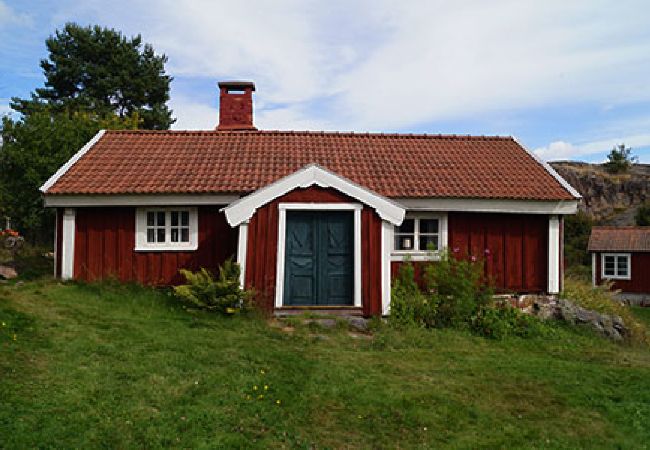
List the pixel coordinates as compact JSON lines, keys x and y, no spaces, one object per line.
{"x":7,"y":272}
{"x":609,"y":326}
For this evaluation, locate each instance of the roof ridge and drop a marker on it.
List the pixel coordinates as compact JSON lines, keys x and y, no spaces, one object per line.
{"x":319,"y":133}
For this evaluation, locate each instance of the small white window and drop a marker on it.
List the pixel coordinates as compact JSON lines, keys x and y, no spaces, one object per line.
{"x":418,"y":234}
{"x":616,"y":266}
{"x":166,"y":229}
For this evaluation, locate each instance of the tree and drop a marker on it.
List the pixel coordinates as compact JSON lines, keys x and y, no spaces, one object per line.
{"x":33,"y":148}
{"x":99,"y":70}
{"x":620,"y":159}
{"x":642,"y":217}
{"x":577,"y":229}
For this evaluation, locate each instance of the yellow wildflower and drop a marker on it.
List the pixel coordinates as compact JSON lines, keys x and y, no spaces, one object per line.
{"x":278,"y":402}
{"x":261,"y":371}
{"x":260,"y":396}
{"x":254,"y":388}
{"x":14,"y":336}
{"x":266,"y":387}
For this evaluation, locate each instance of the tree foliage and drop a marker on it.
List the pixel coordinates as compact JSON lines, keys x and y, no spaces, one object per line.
{"x":620,"y":159}
{"x":33,"y":148}
{"x":100,"y":70}
{"x":95,"y":78}
{"x":642,"y":217}
{"x":577,"y":229}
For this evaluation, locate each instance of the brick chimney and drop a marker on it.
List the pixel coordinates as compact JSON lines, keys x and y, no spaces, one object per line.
{"x":236,"y":105}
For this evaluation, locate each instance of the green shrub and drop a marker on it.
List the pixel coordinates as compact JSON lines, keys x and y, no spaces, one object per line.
{"x":458,"y":288}
{"x":602,"y":299}
{"x":409,"y":306}
{"x":223,"y":295}
{"x":502,"y":321}
{"x":642,"y":217}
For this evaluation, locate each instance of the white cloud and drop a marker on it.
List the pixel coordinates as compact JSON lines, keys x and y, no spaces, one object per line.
{"x":561,"y":150}
{"x":389,"y":64}
{"x":9,"y":17}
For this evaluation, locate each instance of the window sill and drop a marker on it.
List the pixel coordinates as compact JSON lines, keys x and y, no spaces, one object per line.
{"x":166,"y":248}
{"x":612,"y":277}
{"x":414,"y":256}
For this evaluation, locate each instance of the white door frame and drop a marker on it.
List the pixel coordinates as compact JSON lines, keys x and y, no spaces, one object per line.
{"x":282,"y":232}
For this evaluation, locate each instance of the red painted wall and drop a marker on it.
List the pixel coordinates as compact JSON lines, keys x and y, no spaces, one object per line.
{"x":640,"y":282}
{"x":263,"y":244}
{"x":105,"y":239}
{"x":513,"y":246}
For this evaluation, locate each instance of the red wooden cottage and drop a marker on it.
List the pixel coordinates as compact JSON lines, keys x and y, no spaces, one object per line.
{"x":622,"y":255}
{"x":315,"y":219}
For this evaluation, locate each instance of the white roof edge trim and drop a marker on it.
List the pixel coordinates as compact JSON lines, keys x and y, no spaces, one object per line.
{"x":550,"y":170}
{"x":490,"y":205}
{"x":243,"y":209}
{"x":137,"y":200}
{"x":64,"y":168}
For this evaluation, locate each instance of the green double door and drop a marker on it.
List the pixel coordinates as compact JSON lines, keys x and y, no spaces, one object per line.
{"x":319,"y":258}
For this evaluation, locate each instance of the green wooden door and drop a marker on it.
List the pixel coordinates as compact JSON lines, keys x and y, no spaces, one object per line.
{"x":319,"y":258}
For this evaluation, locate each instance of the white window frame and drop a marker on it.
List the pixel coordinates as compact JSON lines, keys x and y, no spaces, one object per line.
{"x":282,"y":232}
{"x":421,"y":255}
{"x":616,"y":276}
{"x":141,"y":244}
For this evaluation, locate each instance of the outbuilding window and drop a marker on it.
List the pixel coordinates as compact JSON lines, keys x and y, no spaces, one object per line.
{"x":166,"y":229}
{"x":616,"y":266}
{"x":418,"y":234}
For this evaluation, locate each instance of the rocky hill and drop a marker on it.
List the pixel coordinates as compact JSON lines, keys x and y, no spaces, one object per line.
{"x":608,"y":199}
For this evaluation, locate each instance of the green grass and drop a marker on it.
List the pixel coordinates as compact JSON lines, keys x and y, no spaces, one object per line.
{"x":126,"y":367}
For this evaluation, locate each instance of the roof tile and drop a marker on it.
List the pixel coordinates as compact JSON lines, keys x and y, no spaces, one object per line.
{"x":619,"y":239}
{"x":394,"y":165}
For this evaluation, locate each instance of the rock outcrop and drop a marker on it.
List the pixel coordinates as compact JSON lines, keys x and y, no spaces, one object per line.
{"x":608,"y":199}
{"x":611,"y":327}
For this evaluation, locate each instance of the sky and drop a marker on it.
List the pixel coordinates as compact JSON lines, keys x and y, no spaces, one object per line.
{"x":569,"y":79}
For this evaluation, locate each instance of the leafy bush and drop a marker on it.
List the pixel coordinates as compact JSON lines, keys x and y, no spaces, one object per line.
{"x":458,"y":288}
{"x":602,"y":299}
{"x":642,"y":217}
{"x":223,"y":295}
{"x":409,"y":306}
{"x":502,"y":321}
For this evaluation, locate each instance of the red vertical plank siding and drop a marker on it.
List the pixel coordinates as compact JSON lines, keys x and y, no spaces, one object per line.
{"x":495,"y":252}
{"x":535,"y":248}
{"x":514,"y":251}
{"x":640,"y":274}
{"x":105,"y":242}
{"x":261,"y":260}
{"x":517,"y":254}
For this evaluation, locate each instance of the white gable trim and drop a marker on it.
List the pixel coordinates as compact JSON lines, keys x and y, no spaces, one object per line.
{"x":243,"y":209}
{"x":550,"y":170}
{"x":64,"y":168}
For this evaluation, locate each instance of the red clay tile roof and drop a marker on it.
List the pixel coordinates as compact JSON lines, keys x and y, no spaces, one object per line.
{"x":619,"y":239}
{"x":394,"y":165}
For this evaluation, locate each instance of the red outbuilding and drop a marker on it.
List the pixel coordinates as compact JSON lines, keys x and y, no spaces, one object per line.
{"x":315,"y":219}
{"x":622,"y":255}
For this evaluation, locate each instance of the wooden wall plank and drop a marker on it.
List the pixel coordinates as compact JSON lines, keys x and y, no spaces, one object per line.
{"x":105,"y":241}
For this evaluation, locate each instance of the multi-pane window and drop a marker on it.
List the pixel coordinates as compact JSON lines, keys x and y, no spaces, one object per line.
{"x":616,"y":265}
{"x":166,"y":229}
{"x":418,"y":234}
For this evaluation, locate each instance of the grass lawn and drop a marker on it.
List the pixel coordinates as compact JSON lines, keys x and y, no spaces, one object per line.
{"x":110,"y":366}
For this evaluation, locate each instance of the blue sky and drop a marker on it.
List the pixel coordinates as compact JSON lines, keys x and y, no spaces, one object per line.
{"x":569,"y":79}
